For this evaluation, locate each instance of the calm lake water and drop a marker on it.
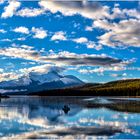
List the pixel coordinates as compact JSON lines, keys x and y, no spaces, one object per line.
{"x":69,"y":117}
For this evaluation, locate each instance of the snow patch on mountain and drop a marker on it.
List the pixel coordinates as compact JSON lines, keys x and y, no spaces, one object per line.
{"x":71,"y":80}
{"x":44,"y":78}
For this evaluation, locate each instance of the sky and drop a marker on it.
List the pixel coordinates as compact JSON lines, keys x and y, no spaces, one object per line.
{"x":96,"y":41}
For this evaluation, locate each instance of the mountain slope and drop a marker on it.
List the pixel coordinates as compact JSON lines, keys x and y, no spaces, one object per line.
{"x":38,"y":82}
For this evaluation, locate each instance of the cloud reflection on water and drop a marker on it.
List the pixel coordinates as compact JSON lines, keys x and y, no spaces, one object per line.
{"x":38,"y":117}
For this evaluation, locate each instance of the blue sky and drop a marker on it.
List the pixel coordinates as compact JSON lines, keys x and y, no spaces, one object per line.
{"x":95,"y":41}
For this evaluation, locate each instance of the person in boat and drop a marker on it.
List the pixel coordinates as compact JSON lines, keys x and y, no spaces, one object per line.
{"x":66,"y":109}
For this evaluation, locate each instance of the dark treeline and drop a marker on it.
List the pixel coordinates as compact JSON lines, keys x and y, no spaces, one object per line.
{"x":117,"y":88}
{"x":3,"y":96}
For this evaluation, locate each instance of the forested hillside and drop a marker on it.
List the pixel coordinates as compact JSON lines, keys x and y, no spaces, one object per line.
{"x":129,"y":87}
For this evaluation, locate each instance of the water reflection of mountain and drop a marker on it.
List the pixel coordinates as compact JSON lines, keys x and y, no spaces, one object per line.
{"x":44,"y":108}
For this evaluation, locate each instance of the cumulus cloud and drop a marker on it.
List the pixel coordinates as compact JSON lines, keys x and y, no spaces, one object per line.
{"x":89,"y":44}
{"x":21,"y":29}
{"x":39,"y":33}
{"x":124,"y":33}
{"x":123,"y":13}
{"x":10,"y":10}
{"x":20,"y":53}
{"x":30,"y":12}
{"x":81,"y":40}
{"x":94,"y":45}
{"x":59,"y":36}
{"x":88,"y":9}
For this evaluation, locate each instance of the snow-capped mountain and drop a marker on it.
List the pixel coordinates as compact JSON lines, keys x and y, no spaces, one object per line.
{"x":38,"y":82}
{"x":43,"y":78}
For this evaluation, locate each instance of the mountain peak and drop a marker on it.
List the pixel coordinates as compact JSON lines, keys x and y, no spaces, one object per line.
{"x":45,"y":77}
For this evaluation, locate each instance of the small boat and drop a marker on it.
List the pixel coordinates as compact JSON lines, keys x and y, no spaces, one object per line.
{"x":66,"y":109}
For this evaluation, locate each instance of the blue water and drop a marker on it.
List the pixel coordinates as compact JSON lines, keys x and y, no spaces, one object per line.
{"x":44,"y":117}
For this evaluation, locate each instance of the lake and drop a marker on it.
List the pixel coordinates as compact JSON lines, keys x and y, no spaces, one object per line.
{"x":69,"y":117}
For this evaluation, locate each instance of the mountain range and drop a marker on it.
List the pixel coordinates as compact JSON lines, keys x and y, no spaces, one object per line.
{"x":35,"y":82}
{"x":55,"y":84}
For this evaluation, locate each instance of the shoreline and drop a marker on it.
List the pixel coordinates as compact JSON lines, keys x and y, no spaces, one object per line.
{"x":89,"y":96}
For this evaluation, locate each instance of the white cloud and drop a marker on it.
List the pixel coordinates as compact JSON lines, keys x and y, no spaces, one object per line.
{"x":118,"y":67}
{"x":2,"y":31}
{"x":23,"y":53}
{"x":21,"y":29}
{"x":10,"y":10}
{"x":21,"y":38}
{"x":27,"y":47}
{"x":103,"y":24}
{"x":89,"y":28}
{"x":59,"y":36}
{"x":125,"y":33}
{"x":92,"y":10}
{"x":81,"y":40}
{"x":1,"y":70}
{"x":39,"y":33}
{"x":93,"y":45}
{"x":89,"y":44}
{"x":124,"y":13}
{"x":41,"y":69}
{"x":30,"y":12}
